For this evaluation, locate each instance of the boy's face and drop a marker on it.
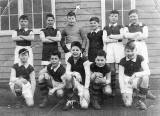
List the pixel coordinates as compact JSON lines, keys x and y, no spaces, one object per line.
{"x":23,"y":23}
{"x":133,"y":18}
{"x":71,"y":20}
{"x":94,"y":25}
{"x":50,"y":22}
{"x":130,"y":54}
{"x":54,"y":60}
{"x":113,"y":18}
{"x":24,"y":57}
{"x":100,"y":61}
{"x":76,"y":52}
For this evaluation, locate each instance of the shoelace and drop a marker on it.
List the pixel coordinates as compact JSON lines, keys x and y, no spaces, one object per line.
{"x":70,"y":103}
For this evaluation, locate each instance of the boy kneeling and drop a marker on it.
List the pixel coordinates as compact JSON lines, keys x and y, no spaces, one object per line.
{"x":51,"y":78}
{"x":133,"y":74}
{"x":77,"y":79}
{"x":100,"y":79}
{"x":22,"y":80}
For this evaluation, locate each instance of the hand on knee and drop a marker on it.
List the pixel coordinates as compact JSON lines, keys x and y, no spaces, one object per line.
{"x":107,"y":90}
{"x":59,"y":93}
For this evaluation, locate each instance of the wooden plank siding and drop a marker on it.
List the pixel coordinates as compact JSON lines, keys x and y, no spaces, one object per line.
{"x":149,"y":14}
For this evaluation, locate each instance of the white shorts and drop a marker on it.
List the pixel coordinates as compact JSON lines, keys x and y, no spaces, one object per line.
{"x":142,"y":49}
{"x":16,"y":54}
{"x":115,"y":52}
{"x":128,"y":88}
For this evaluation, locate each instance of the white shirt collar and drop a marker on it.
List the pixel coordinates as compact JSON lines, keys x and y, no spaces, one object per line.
{"x":55,"y":69}
{"x":95,"y":30}
{"x":26,"y":29}
{"x":134,"y":59}
{"x":25,"y":65}
{"x":115,"y":24}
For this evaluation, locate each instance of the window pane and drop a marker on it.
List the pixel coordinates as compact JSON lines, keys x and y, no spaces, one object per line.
{"x":30,"y":25}
{"x":36,"y":13}
{"x":13,"y":6}
{"x":27,"y":6}
{"x":118,"y":4}
{"x":14,"y":22}
{"x":4,"y":22}
{"x":109,"y":4}
{"x":37,"y":20}
{"x":46,"y":5}
{"x":37,"y":8}
{"x":3,"y":7}
{"x":127,"y":4}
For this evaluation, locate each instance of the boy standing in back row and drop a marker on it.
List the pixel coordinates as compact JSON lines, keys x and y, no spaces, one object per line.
{"x":72,"y":32}
{"x":23,"y":37}
{"x":112,"y":38}
{"x":50,"y":38}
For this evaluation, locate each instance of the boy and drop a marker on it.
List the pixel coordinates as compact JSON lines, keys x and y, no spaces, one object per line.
{"x":133,"y":74}
{"x":100,"y":79}
{"x":72,"y":32}
{"x":50,"y":79}
{"x":95,"y":39}
{"x":50,"y":38}
{"x":78,"y":74}
{"x":22,"y":79}
{"x":113,"y":46}
{"x":23,"y":37}
{"x":138,"y":32}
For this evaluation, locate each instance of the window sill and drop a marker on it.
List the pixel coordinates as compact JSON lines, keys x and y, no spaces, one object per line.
{"x":9,"y":32}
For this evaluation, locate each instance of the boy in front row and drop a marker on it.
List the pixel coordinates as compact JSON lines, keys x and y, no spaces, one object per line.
{"x":51,"y":78}
{"x":100,"y":79}
{"x":133,"y":74}
{"x":77,"y":78}
{"x":22,"y":79}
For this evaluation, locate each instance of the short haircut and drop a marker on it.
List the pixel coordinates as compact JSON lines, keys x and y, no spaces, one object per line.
{"x":49,"y":15}
{"x":133,"y":11}
{"x":56,"y":53}
{"x":71,"y":13}
{"x":76,"y":43}
{"x":130,"y":45}
{"x":23,"y":51}
{"x":94,"y":19}
{"x":114,"y":12}
{"x":101,"y":53}
{"x":23,"y":17}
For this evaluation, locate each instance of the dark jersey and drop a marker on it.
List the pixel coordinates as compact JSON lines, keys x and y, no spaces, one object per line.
{"x":95,"y":44}
{"x":23,"y":33}
{"x":56,"y":75}
{"x":78,"y":67}
{"x":130,"y":67}
{"x":49,"y":47}
{"x":21,"y":71}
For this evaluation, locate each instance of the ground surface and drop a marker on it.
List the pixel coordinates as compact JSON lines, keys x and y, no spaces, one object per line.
{"x":112,"y":107}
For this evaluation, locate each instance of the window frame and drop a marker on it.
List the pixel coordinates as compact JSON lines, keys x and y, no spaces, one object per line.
{"x":103,"y":11}
{"x":20,"y":12}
